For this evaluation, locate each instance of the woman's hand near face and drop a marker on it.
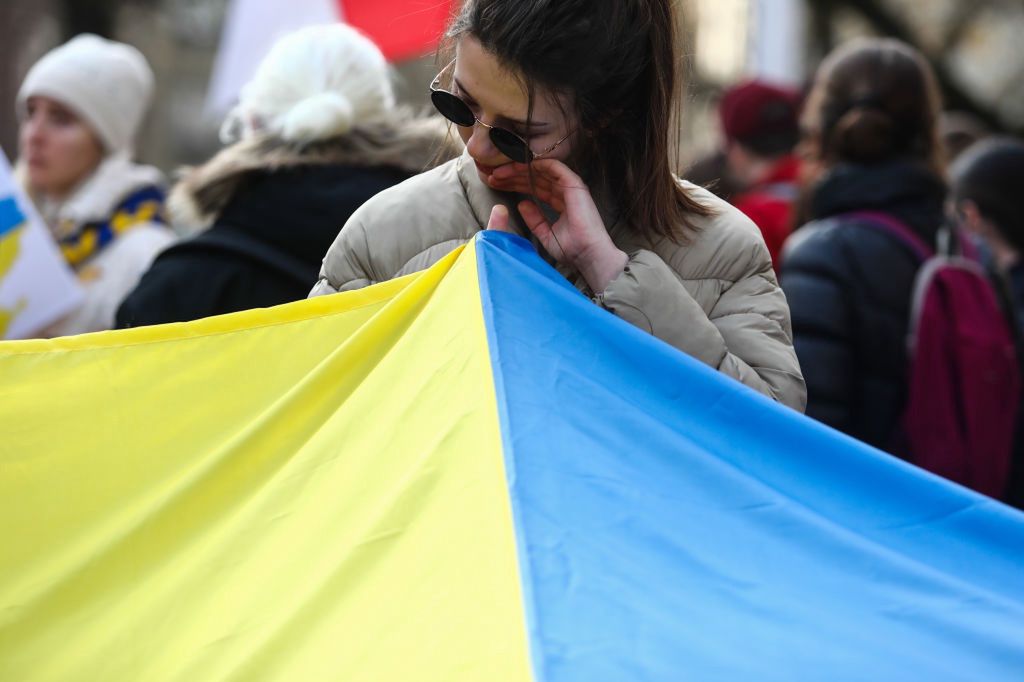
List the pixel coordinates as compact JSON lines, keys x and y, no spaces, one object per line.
{"x":578,"y":237}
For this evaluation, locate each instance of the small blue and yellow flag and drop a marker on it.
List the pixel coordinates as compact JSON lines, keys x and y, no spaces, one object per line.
{"x":11,"y":222}
{"x":471,"y":473}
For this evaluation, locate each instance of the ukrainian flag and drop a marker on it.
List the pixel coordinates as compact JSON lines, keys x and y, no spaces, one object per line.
{"x":471,"y":473}
{"x":11,"y":222}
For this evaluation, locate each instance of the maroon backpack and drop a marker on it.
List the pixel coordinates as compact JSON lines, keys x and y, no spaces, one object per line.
{"x":963,"y":375}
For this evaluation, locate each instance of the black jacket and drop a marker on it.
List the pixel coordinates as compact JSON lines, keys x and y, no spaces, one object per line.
{"x":849,"y":291}
{"x":264,"y":248}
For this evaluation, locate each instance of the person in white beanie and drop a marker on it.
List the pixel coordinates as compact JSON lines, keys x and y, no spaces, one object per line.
{"x":316,"y":133}
{"x":80,"y":108}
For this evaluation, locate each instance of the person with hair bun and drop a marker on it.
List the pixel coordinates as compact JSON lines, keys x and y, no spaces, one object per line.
{"x":870,"y":145}
{"x":567,"y":110}
{"x":315,"y":134}
{"x":80,"y":108}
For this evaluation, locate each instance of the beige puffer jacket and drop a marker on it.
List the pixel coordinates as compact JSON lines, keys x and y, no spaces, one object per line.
{"x":715,"y":298}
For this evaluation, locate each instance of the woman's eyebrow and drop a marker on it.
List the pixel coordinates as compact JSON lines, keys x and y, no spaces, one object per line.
{"x":467,"y":93}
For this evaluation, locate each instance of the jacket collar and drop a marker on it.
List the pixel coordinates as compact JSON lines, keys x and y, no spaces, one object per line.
{"x":907,"y":190}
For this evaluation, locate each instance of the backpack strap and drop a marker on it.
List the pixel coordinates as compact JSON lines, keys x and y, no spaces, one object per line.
{"x":884,"y":222}
{"x":236,"y":242}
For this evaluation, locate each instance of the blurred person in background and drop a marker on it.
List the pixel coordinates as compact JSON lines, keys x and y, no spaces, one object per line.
{"x":567,"y":110}
{"x":871,"y":144}
{"x":711,"y":172}
{"x":80,"y":108}
{"x":760,"y":124}
{"x":315,"y":134}
{"x":959,"y":130}
{"x":987,"y":199}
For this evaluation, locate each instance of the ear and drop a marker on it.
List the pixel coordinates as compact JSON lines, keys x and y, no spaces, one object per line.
{"x":971,"y":218}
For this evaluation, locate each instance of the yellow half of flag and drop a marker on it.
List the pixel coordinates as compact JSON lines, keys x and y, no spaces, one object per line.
{"x":263,"y":495}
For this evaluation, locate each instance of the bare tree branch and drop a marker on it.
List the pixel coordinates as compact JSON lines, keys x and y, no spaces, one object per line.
{"x":956,"y":97}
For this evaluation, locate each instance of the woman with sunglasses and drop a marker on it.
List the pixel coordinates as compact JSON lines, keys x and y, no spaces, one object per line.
{"x":567,"y":113}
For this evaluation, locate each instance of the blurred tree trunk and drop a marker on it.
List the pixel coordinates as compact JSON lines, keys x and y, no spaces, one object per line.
{"x":89,"y":16}
{"x":24,"y":25}
{"x":823,"y":29}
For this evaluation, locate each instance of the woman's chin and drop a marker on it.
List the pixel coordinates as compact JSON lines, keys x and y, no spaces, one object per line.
{"x":39,"y":182}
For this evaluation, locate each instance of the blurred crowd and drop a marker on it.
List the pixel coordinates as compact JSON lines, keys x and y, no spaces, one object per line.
{"x":895,"y":229}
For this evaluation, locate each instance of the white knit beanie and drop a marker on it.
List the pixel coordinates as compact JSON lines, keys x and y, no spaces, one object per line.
{"x":108,"y":84}
{"x":314,"y":84}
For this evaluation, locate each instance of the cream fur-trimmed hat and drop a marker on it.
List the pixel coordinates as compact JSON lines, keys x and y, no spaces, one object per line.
{"x":108,"y":84}
{"x":315,"y":83}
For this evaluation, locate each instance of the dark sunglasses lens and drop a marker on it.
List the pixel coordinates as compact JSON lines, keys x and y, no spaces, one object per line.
{"x":452,"y":108}
{"x":511,"y":145}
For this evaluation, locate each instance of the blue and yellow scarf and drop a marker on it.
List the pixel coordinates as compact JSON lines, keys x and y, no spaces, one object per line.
{"x":143,"y":206}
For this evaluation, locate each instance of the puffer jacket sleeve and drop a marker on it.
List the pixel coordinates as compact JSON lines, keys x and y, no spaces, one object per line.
{"x":746,"y":335}
{"x":813,"y":277}
{"x":346,"y":265}
{"x":403,"y":229}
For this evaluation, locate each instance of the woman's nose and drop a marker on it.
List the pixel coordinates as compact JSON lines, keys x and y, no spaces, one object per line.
{"x":33,"y":129}
{"x":480,"y":145}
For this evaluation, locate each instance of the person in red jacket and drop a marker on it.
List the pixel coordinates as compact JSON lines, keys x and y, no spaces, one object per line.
{"x":760,"y":127}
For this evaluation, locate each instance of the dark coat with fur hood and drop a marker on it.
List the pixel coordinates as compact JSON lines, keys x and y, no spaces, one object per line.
{"x":269,"y":211}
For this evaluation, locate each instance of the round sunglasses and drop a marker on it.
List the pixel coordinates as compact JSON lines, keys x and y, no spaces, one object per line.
{"x":455,"y":109}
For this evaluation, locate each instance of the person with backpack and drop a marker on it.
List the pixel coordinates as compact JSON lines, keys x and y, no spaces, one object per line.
{"x":987,"y":202}
{"x":316,"y":133}
{"x":898,"y":332}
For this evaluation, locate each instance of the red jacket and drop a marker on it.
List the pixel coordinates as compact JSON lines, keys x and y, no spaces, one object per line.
{"x":770,"y":204}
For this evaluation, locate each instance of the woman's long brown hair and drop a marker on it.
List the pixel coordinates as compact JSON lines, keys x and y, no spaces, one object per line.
{"x":617,"y":60}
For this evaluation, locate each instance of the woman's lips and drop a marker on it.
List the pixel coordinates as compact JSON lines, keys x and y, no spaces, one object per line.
{"x":486,"y":170}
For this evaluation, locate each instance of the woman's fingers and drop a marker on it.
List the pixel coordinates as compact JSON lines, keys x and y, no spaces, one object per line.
{"x":533,"y":218}
{"x":520,"y":183}
{"x":549,"y":171}
{"x":509,"y":170}
{"x":550,"y":181}
{"x":557,"y":173}
{"x":499,"y":219}
{"x":542,"y":190}
{"x":511,"y":185}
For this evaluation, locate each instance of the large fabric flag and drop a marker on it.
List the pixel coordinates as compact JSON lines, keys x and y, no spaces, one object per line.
{"x":402,"y":29}
{"x":468,"y":474}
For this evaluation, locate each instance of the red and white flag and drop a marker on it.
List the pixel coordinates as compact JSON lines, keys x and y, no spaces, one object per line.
{"x":403,"y":29}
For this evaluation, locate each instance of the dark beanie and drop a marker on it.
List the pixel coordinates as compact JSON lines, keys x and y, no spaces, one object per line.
{"x":762,"y":117}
